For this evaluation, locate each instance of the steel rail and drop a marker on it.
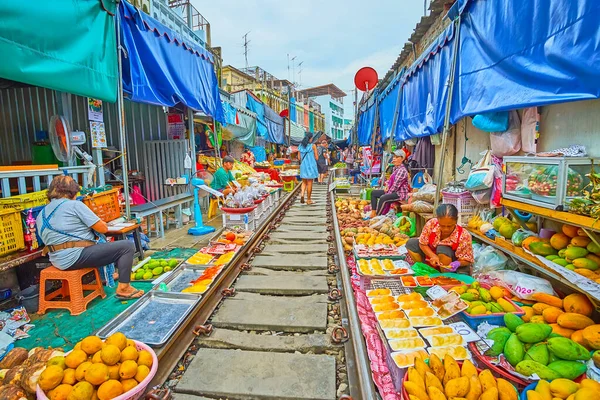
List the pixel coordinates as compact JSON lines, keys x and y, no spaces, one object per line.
{"x":170,"y":354}
{"x":362,"y":363}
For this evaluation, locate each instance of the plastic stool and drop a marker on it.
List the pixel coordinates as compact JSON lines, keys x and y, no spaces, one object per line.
{"x":213,"y":206}
{"x":71,"y":291}
{"x":289,"y":185}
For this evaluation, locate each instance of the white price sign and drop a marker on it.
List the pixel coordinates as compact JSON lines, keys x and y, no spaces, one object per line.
{"x":436,"y":292}
{"x":465,"y":331}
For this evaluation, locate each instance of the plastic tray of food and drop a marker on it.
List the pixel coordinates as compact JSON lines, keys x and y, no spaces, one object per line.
{"x":200,"y":259}
{"x":440,"y":330}
{"x":379,"y":292}
{"x":456,"y":352}
{"x":380,"y":251}
{"x":449,"y":305}
{"x":411,"y":305}
{"x":413,"y":296}
{"x":406,"y":344}
{"x":395,"y":314}
{"x":181,"y":278}
{"x":451,"y":339}
{"x":381,"y":299}
{"x":397,"y":323}
{"x":404,"y":359}
{"x":421,"y":312}
{"x":424,"y":322}
{"x":394,"y":333}
{"x":153,"y":319}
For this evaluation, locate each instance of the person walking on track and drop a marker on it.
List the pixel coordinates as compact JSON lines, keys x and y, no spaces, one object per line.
{"x":308,"y":166}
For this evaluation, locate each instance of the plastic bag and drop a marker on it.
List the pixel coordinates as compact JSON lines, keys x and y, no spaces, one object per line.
{"x":482,"y":175}
{"x":426,"y":193}
{"x":521,"y":285}
{"x":492,"y":121}
{"x":529,"y":130}
{"x":406,"y":225}
{"x":489,"y":260}
{"x":482,"y":196}
{"x":380,"y":221}
{"x":418,"y":206}
{"x":508,"y":142}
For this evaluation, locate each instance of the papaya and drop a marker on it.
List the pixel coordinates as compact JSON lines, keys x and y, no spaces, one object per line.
{"x":573,"y":253}
{"x":543,"y":249}
{"x":570,"y":231}
{"x":514,"y":351}
{"x":539,"y":308}
{"x":593,"y":257}
{"x":528,"y":313}
{"x":577,"y":337}
{"x":593,"y":248}
{"x":533,"y":333}
{"x":591,"y":336}
{"x":529,"y":240}
{"x":551,"y":314}
{"x":538,"y":352}
{"x":567,"y":349}
{"x":529,"y":367}
{"x":559,"y":330}
{"x":568,"y":369}
{"x":547,"y":299}
{"x":585,"y":263}
{"x":580,"y":241}
{"x":559,"y":241}
{"x":512,"y":321}
{"x":574,"y":321}
{"x":561,"y":261}
{"x":588,"y":273}
{"x":537,"y":319}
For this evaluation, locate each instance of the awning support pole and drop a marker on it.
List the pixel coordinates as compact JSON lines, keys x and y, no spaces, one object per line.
{"x":393,"y":134}
{"x":121,"y":122}
{"x":451,"y":79}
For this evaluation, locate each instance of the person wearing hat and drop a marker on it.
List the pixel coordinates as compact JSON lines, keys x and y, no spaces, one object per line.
{"x":396,"y":187}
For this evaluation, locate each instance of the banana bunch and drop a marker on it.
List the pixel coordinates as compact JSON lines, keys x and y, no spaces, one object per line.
{"x":476,"y":222}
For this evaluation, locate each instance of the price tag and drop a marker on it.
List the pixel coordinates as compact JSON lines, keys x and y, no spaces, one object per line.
{"x":235,"y":217}
{"x":465,"y":331}
{"x":332,"y":185}
{"x":436,"y":292}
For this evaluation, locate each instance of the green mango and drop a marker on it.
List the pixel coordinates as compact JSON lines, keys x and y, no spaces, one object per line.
{"x":499,"y":337}
{"x":468,"y":297}
{"x":567,"y":349}
{"x":568,"y":369}
{"x":496,"y":308}
{"x":551,"y":257}
{"x":157,"y":271}
{"x":485,"y":295}
{"x":553,"y":357}
{"x":529,"y":367}
{"x":538,"y":352}
{"x":512,"y":321}
{"x":514,"y":351}
{"x":533,"y":333}
{"x":499,"y":329}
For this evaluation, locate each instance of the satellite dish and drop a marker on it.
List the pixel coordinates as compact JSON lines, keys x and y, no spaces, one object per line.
{"x":284,"y":113}
{"x":365,"y":79}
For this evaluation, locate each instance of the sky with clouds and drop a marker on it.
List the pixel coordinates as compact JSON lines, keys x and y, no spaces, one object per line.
{"x":333,"y":38}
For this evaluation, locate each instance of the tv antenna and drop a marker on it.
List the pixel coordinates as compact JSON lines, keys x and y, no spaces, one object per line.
{"x":246,"y":43}
{"x":300,"y":73}
{"x":293,"y":71}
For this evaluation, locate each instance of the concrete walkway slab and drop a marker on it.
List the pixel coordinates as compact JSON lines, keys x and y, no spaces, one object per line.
{"x":230,"y":339}
{"x":183,"y":396}
{"x":268,"y":313}
{"x":287,"y":263}
{"x":299,"y":235}
{"x":241,"y":374}
{"x":292,"y":283}
{"x":284,"y":227}
{"x":273,"y":272}
{"x":295,"y":248}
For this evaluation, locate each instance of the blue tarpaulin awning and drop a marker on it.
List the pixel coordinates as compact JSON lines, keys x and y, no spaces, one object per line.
{"x":425,"y":90}
{"x":257,"y":107}
{"x":365,"y":124}
{"x":275,"y":130}
{"x":387,"y":107}
{"x":161,"y":68}
{"x":549,"y":54}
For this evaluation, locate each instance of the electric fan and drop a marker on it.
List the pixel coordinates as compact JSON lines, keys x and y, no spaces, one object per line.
{"x":201,"y":189}
{"x":64,"y":141}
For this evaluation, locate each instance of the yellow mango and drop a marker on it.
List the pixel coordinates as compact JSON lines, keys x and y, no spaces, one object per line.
{"x":435,"y":393}
{"x":468,"y":369}
{"x":586,"y":394}
{"x":543,"y":388}
{"x":589,"y":384}
{"x":506,"y":305}
{"x":436,"y":366}
{"x":413,"y":376}
{"x":506,"y":391}
{"x":415,"y":390}
{"x":533,"y":395}
{"x":563,"y":388}
{"x":475,"y":390}
{"x":487,"y":380}
{"x":422,"y":367}
{"x":432,"y":381}
{"x":452,"y":370}
{"x":458,"y":387}
{"x":490,"y":394}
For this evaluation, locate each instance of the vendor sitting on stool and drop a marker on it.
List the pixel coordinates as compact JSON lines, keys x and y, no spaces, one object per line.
{"x":396,"y":188}
{"x":68,"y":228}
{"x":223,"y":178}
{"x":443,"y":244}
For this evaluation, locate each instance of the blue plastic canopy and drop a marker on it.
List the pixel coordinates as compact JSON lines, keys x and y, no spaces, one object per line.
{"x":257,"y":107}
{"x":275,"y":131}
{"x":425,"y":90}
{"x":160,"y":68}
{"x":516,"y":54}
{"x":292,"y":109}
{"x":365,"y":125}
{"x":387,"y":108}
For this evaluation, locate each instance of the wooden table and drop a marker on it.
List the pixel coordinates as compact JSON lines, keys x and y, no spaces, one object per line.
{"x":15,"y":259}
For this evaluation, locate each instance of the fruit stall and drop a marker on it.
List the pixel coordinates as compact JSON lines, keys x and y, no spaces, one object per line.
{"x":521,"y":324}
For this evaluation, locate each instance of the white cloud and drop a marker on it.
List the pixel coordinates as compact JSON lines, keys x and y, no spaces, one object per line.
{"x":334,"y":38}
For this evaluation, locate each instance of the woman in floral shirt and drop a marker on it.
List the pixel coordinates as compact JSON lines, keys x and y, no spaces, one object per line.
{"x":396,"y":188}
{"x":443,"y":244}
{"x":248,"y":158}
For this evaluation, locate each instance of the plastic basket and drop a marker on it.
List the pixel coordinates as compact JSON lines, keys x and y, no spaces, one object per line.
{"x":105,"y":204}
{"x":247,"y":220}
{"x":27,"y":200}
{"x":464,"y":202}
{"x":135,"y":393}
{"x":11,"y":231}
{"x":493,"y":319}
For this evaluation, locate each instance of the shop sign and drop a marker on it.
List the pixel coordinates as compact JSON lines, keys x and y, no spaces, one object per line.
{"x":175,"y":126}
{"x":95,"y":112}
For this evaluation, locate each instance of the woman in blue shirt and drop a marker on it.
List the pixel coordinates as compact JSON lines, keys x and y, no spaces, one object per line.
{"x":308,"y":166}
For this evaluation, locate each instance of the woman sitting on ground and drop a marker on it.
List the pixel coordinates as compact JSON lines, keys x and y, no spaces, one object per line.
{"x":443,"y":244}
{"x":68,"y":229}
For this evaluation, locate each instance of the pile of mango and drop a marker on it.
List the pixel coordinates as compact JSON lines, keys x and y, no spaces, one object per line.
{"x":153,"y":268}
{"x":448,"y":380}
{"x":560,"y":388}
{"x":482,"y":301}
{"x":532,"y":348}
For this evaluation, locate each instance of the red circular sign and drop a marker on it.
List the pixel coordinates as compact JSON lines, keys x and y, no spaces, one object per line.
{"x":365,"y":79}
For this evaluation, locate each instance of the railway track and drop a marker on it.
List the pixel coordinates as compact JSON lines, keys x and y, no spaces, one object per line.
{"x":276,"y":325}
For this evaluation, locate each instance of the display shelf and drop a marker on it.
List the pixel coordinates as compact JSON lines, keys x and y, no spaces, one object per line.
{"x":519,"y":254}
{"x":580,"y":221}
{"x":15,"y":259}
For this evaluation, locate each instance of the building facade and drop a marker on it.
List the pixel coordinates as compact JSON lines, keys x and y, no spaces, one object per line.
{"x":348,"y":126}
{"x":331,"y":100}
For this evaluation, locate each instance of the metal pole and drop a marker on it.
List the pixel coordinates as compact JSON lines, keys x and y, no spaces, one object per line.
{"x":215,"y":137}
{"x":363,"y":364}
{"x":355,"y":130}
{"x":192,"y":140}
{"x":448,"y":109}
{"x":394,"y":123}
{"x":373,"y":134}
{"x":121,"y":122}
